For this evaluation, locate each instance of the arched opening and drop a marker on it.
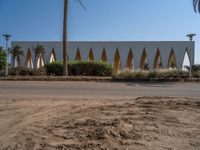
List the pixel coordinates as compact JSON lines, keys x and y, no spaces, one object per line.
{"x":52,"y":56}
{"x":104,"y":56}
{"x":157,"y":61}
{"x":186,"y":61}
{"x":172,"y":60}
{"x":28,"y":60}
{"x":40,"y":61}
{"x":144,"y":63}
{"x":78,"y":55}
{"x":91,"y":56}
{"x":117,"y":63}
{"x":129,"y":63}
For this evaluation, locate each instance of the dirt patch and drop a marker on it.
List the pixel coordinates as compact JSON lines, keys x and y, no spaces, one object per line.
{"x":138,"y":124}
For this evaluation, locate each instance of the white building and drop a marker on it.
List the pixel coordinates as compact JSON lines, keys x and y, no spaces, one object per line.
{"x":122,"y":55}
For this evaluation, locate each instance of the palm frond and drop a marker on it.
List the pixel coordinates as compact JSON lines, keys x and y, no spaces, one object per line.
{"x":81,"y":3}
{"x":196,"y":5}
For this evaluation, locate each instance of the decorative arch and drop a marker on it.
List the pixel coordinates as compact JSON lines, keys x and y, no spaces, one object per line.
{"x":157,"y":61}
{"x":91,"y":56}
{"x":186,"y":60}
{"x":52,"y":56}
{"x":40,"y":61}
{"x":172,"y":60}
{"x":104,"y":56}
{"x":78,"y":55}
{"x":117,"y":62}
{"x":144,"y":62}
{"x":28,"y":59}
{"x":129,"y":63}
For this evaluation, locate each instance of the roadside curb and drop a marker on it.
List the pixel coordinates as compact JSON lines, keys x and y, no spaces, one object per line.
{"x":54,"y":78}
{"x":94,"y":78}
{"x":197,"y":80}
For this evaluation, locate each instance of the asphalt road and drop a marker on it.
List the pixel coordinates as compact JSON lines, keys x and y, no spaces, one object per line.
{"x":94,"y":90}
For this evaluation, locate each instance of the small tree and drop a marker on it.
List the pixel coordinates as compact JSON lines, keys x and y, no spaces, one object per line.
{"x":2,"y":58}
{"x":17,"y":52}
{"x":39,"y":52}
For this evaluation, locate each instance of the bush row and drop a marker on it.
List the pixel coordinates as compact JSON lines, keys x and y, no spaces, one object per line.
{"x":75,"y":68}
{"x":175,"y":74}
{"x":83,"y":68}
{"x":195,"y":68}
{"x":21,"y":71}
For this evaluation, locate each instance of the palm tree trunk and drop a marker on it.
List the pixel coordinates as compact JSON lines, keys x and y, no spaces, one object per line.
{"x":35,"y":62}
{"x":13,"y":60}
{"x":18,"y":61}
{"x":65,"y":66}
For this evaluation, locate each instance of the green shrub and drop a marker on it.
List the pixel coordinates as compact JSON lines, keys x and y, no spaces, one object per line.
{"x":55,"y":68}
{"x":195,"y":68}
{"x":21,"y":71}
{"x":24,"y":72}
{"x":174,"y":74}
{"x":90,"y":68}
{"x":82,"y":68}
{"x":2,"y":58}
{"x":155,"y":75}
{"x":2,"y":72}
{"x":38,"y":72}
{"x":133,"y":75}
{"x":14,"y":71}
{"x":196,"y":74}
{"x":125,"y":75}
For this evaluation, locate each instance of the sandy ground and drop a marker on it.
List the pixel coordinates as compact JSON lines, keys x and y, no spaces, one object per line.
{"x":143,"y":123}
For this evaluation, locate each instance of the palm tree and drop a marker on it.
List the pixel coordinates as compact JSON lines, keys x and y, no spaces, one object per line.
{"x":17,"y":52}
{"x":2,"y":58}
{"x":65,"y":28}
{"x":196,"y":4}
{"x":39,"y":54}
{"x":65,"y":66}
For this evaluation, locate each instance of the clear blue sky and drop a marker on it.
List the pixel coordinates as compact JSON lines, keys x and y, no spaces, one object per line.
{"x":124,"y":20}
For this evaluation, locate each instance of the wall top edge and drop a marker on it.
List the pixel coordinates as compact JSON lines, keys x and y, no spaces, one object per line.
{"x":96,"y":41}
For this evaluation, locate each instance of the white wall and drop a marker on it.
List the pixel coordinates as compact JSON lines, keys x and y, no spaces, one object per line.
{"x":165,"y":48}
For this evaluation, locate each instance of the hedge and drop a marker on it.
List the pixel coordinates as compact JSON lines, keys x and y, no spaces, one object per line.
{"x":22,"y":71}
{"x":82,"y":68}
{"x":85,"y":68}
{"x":175,"y":74}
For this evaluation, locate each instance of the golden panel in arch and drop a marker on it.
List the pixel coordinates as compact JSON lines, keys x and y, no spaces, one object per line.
{"x":157,"y":61}
{"x":129,"y":63}
{"x":91,"y":56}
{"x":172,"y":60}
{"x":117,"y":62}
{"x":78,"y":55}
{"x":143,"y":61}
{"x":104,"y":56}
